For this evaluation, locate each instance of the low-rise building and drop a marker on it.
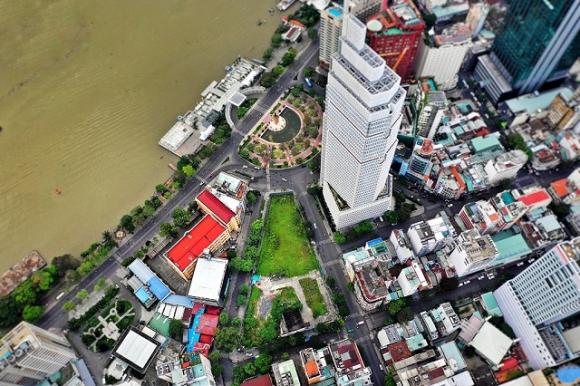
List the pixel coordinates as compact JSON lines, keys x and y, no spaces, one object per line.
{"x":440,"y":322}
{"x":431,"y":235}
{"x":491,"y":344}
{"x":372,"y":282}
{"x":425,"y":374}
{"x":185,"y":370}
{"x":402,"y":245}
{"x":260,"y":380}
{"x":349,"y":365}
{"x":147,"y":286}
{"x":317,"y":365}
{"x":241,"y":74}
{"x":206,"y":236}
{"x":481,"y":216}
{"x":510,"y":209}
{"x":208,"y":280}
{"x":472,"y":252}
{"x":285,"y":373}
{"x":411,"y":279}
{"x":535,"y":198}
{"x":137,"y":348}
{"x":505,"y":167}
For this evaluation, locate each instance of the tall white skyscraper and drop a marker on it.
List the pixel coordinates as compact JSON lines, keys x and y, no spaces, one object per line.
{"x":539,"y":301}
{"x":28,"y":354}
{"x":360,"y":125}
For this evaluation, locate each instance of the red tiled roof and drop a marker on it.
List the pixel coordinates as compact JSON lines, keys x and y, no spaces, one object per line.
{"x":262,"y":380}
{"x":218,"y":208}
{"x":399,"y":351}
{"x":193,"y":243}
{"x":535,"y":197}
{"x":208,"y":325}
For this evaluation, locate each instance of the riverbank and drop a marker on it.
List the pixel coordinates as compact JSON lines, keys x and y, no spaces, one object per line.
{"x":82,"y":110}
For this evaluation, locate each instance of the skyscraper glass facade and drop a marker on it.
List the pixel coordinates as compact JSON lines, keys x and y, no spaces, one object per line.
{"x":529,"y":28}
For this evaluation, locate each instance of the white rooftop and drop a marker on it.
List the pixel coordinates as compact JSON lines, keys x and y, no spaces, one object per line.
{"x":491,"y":343}
{"x":176,"y":136}
{"x":461,"y":379}
{"x":136,"y":349}
{"x":521,"y":381}
{"x":207,"y":280}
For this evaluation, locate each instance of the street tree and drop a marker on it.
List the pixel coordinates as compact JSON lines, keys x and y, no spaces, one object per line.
{"x":32,"y":313}
{"x":167,"y":229}
{"x":188,"y":170}
{"x":127,"y":223}
{"x":69,"y":305}
{"x":82,"y":294}
{"x":181,"y":217}
{"x":339,"y":238}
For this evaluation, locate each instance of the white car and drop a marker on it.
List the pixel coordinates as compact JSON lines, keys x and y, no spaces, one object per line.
{"x":520,"y":264}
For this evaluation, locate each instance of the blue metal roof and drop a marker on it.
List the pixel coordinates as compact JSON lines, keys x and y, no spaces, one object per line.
{"x":158,"y":288}
{"x":141,"y":270}
{"x":142,"y":295}
{"x":179,"y":300}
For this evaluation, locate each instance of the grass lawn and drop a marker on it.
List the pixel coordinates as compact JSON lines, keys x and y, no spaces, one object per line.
{"x":313,"y":296}
{"x":286,"y":250}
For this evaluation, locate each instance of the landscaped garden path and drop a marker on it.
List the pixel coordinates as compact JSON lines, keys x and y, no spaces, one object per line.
{"x":288,"y":135}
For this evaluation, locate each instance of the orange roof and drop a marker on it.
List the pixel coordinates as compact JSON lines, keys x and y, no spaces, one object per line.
{"x":311,"y":368}
{"x":494,"y":217}
{"x":458,"y":177}
{"x":560,"y":187}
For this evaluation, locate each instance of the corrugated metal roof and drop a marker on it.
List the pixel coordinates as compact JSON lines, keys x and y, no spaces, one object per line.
{"x":141,"y":270}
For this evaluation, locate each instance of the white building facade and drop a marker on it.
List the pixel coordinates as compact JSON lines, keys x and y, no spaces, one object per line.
{"x":442,"y":63}
{"x":364,"y":100}
{"x":505,"y":167}
{"x":30,"y":353}
{"x":330,"y":29}
{"x":538,"y":299}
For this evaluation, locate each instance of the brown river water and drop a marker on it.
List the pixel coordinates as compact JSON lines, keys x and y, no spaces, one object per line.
{"x":87,"y":88}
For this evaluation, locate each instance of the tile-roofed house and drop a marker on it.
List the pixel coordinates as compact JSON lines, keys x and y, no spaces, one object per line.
{"x":261,"y":380}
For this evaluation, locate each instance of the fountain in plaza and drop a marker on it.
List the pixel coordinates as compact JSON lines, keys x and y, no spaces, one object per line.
{"x":277,"y":123}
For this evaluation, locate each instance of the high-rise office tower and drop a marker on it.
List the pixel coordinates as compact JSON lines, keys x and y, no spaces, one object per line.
{"x":331,"y":25}
{"x":360,"y":125}
{"x":30,"y":353}
{"x":542,"y":304}
{"x":394,"y":33}
{"x":539,"y":43}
